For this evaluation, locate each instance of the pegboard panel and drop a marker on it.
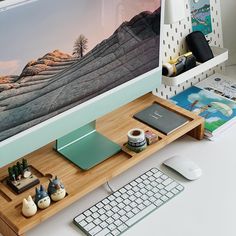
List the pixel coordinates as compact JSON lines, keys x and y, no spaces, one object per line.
{"x":174,"y":45}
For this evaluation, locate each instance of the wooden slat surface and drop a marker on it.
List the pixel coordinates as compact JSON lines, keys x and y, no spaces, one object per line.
{"x":77,"y":182}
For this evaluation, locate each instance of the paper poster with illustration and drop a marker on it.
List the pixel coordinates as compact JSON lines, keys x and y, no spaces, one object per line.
{"x":201,"y":16}
{"x":216,"y":110}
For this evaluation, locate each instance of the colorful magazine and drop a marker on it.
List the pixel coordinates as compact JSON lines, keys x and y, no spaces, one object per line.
{"x":221,"y":85}
{"x":217,"y":111}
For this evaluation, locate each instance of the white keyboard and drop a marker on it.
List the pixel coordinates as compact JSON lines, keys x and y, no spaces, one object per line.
{"x":118,"y":212}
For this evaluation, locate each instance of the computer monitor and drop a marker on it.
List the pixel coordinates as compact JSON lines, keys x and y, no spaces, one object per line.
{"x":63,"y":64}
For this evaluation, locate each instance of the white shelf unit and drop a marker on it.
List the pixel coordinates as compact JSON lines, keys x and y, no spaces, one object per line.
{"x":220,"y":56}
{"x":174,"y":45}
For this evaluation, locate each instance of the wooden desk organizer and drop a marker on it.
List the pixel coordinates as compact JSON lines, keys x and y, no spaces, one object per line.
{"x":48,"y":163}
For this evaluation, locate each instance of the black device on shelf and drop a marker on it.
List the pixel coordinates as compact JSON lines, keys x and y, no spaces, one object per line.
{"x":199,"y":46}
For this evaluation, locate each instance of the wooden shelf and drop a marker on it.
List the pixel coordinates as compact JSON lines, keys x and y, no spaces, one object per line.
{"x":77,"y":182}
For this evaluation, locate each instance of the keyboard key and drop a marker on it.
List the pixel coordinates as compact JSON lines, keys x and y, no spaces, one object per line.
{"x":111,"y":227}
{"x":127,"y":208}
{"x":110,"y":220}
{"x":151,"y":179}
{"x":141,"y":185}
{"x":159,"y":180}
{"x":132,"y":198}
{"x":122,"y":227}
{"x":154,"y":184}
{"x":140,"y":215}
{"x":96,"y":215}
{"x":139,"y":180}
{"x":167,"y":182}
{"x":103,"y":217}
{"x":111,"y":197}
{"x":175,"y":191}
{"x":154,"y":170}
{"x":95,"y":230}
{"x":105,"y":201}
{"x":128,"y":187}
{"x":135,"y":210}
{"x":157,"y":175}
{"x":83,"y":223}
{"x":125,"y":196}
{"x":116,"y":216}
{"x":113,"y":203}
{"x":119,"y":200}
{"x":109,"y":213}
{"x":144,"y":176}
{"x":141,"y":207}
{"x":129,"y":214}
{"x":117,"y":194}
{"x":160,"y":186}
{"x":93,"y":209}
{"x":80,"y":218}
{"x":138,"y":194}
{"x":146,"y":203}
{"x":130,"y":192}
{"x":164,"y":177}
{"x":150,"y":193}
{"x":107,"y":208}
{"x":149,"y":173}
{"x":102,"y":211}
{"x":170,"y":186}
{"x":135,"y":189}
{"x":149,"y":187}
{"x":104,"y":224}
{"x":164,"y":198}
{"x":103,"y":232}
{"x":124,"y":218}
{"x":163,"y":192}
{"x":115,"y":209}
{"x":100,"y":205}
{"x":115,"y":232}
{"x":157,"y":195}
{"x":89,"y":219}
{"x":159,"y":202}
{"x":133,"y":183}
{"x":180,"y":188}
{"x":118,"y":222}
{"x":97,"y":221}
{"x":88,"y":213}
{"x":89,"y":226}
{"x":133,"y":204}
{"x":139,"y":201}
{"x":155,"y":190}
{"x":122,"y":190}
{"x":121,"y":212}
{"x":169,"y":195}
{"x":127,"y":201}
{"x":152,"y":199}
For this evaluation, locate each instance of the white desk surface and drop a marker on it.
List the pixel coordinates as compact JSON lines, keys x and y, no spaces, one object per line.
{"x":207,"y":207}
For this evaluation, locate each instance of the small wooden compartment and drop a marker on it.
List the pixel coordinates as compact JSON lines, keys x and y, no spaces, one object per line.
{"x":78,"y":183}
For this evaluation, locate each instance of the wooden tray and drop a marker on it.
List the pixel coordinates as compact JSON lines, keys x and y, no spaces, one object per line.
{"x":77,"y":182}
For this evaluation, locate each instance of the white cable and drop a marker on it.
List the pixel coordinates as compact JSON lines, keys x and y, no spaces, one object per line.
{"x":111,"y":190}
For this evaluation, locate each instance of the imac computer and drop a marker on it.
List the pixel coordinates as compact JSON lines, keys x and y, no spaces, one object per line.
{"x":64,"y":64}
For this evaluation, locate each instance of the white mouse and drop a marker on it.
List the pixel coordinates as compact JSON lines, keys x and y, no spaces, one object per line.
{"x":184,"y":166}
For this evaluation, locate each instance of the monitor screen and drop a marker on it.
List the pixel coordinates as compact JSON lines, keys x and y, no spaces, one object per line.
{"x":57,"y":54}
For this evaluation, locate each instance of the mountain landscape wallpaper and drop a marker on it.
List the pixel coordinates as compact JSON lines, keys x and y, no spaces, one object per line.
{"x":67,"y":52}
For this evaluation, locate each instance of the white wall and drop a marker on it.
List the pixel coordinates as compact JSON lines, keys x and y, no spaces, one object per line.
{"x":228,"y":11}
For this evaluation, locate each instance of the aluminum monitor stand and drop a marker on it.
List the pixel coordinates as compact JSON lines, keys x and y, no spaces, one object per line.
{"x":86,"y":147}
